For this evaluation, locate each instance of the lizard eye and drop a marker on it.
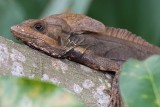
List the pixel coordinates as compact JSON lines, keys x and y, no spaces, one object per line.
{"x":39,"y":27}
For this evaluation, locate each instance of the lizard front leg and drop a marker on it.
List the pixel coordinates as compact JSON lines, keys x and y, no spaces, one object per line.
{"x":86,"y":57}
{"x":79,"y":52}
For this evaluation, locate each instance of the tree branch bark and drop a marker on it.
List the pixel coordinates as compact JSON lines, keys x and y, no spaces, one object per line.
{"x":87,"y":84}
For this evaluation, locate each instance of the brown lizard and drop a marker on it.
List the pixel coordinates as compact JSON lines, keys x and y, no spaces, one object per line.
{"x":86,"y":41}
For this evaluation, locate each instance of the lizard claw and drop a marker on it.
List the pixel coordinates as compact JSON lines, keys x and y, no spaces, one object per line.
{"x":115,"y":99}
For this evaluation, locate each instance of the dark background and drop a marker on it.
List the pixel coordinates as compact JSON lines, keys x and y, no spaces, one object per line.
{"x":142,"y":17}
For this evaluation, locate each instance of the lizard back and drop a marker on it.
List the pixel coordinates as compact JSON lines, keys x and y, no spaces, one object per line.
{"x":126,"y":35}
{"x":84,"y":23}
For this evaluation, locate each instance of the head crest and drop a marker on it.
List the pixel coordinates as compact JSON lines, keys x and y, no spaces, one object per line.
{"x":79,"y":22}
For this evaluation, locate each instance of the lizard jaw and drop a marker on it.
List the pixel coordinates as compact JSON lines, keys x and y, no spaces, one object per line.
{"x":37,"y":43}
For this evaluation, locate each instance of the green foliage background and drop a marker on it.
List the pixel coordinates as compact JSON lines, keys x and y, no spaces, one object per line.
{"x":140,"y":83}
{"x":139,"y":16}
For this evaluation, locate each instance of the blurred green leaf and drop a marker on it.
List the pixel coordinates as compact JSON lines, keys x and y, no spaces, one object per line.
{"x":81,"y":7}
{"x":67,"y":6}
{"x":140,"y":83}
{"x":33,"y":8}
{"x":57,"y":7}
{"x":11,"y":13}
{"x":23,"y":92}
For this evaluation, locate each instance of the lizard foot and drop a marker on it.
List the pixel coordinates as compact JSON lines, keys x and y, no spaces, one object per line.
{"x":115,"y":99}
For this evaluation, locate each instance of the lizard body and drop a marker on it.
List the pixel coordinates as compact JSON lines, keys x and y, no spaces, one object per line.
{"x":84,"y":40}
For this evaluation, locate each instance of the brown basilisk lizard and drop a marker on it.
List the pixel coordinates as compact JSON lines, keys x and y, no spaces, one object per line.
{"x":86,"y":41}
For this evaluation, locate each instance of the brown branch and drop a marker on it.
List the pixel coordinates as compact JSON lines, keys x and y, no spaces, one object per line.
{"x":87,"y":84}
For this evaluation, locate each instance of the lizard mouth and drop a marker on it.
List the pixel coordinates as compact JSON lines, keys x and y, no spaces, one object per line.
{"x":19,"y":33}
{"x":24,"y":37}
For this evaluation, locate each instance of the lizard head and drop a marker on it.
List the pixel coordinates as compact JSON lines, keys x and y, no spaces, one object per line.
{"x":51,"y":33}
{"x":47,"y":35}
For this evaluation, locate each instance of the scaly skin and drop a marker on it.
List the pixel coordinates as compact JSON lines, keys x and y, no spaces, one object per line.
{"x":87,"y":41}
